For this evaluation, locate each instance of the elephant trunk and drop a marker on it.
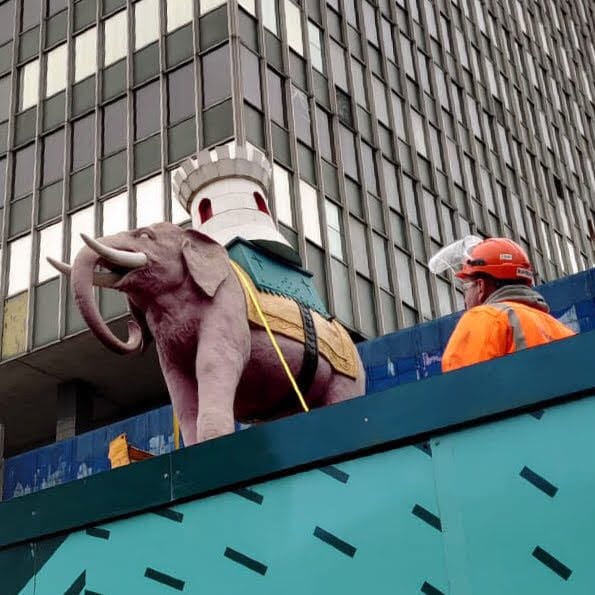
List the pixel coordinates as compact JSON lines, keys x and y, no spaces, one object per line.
{"x":82,"y":286}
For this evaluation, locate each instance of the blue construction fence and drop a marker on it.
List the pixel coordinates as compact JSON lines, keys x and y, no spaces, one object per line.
{"x":404,"y":356}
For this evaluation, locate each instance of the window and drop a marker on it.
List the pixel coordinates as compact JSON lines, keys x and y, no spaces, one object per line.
{"x":216,"y":76}
{"x":276,"y":98}
{"x":325,"y":143}
{"x":348,"y":152}
{"x":147,"y":110}
{"x":205,"y":210}
{"x":146,"y":19}
{"x":359,"y":85}
{"x":115,"y":214}
{"x":379,"y":91}
{"x":269,"y":15}
{"x":24,"y":163}
{"x":6,"y":21}
{"x":19,"y":253}
{"x":407,"y":56}
{"x":114,"y":126}
{"x":56,"y":70}
{"x":417,"y":124}
{"x":29,"y":85}
{"x":334,"y":229}
{"x":50,"y":244}
{"x":82,"y":221}
{"x":316,"y":46}
{"x":180,"y":93}
{"x":53,"y":157}
{"x":179,"y":12}
{"x":31,"y":14}
{"x":301,"y":114}
{"x":293,"y":29}
{"x":261,"y":204}
{"x":85,"y":54}
{"x":309,"y":208}
{"x":207,"y":5}
{"x":251,"y":77}
{"x":83,"y":142}
{"x":282,"y":195}
{"x":149,"y":201}
{"x":116,"y":38}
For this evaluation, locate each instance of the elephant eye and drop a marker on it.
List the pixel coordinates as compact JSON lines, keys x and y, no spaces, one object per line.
{"x":145,"y":235}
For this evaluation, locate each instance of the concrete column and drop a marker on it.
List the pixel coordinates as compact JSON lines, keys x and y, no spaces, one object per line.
{"x":74,"y":409}
{"x":1,"y":460}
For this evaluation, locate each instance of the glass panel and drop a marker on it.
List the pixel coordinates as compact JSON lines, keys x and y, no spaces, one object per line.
{"x":293,"y":29}
{"x":29,"y":85}
{"x":380,"y":261}
{"x":316,"y":46}
{"x":348,"y":152}
{"x":178,"y":213}
{"x":116,"y":38}
{"x":207,"y":5}
{"x":2,"y":183}
{"x":334,"y":229}
{"x":56,"y":70}
{"x":282,"y":195}
{"x":179,"y":12}
{"x":114,"y":126}
{"x":20,"y":265}
{"x":269,"y":15}
{"x":146,"y":19}
{"x":147,"y":110}
{"x":359,"y":247}
{"x":31,"y":14}
{"x":115,"y":214}
{"x":85,"y":54}
{"x":276,"y":98}
{"x":301,"y":113}
{"x":250,"y":77}
{"x":181,"y":94}
{"x":23,"y":169}
{"x":5,"y":92}
{"x":309,"y":208}
{"x":53,"y":157}
{"x":50,"y":244}
{"x":6,"y":21}
{"x":149,"y":202}
{"x":83,"y":142}
{"x":216,"y":76}
{"x":81,"y":222}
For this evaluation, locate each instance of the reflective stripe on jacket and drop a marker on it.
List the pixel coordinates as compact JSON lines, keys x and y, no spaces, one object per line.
{"x":498,"y":328}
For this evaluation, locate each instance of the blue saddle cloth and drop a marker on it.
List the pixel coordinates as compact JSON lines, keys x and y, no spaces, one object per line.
{"x":276,"y":276}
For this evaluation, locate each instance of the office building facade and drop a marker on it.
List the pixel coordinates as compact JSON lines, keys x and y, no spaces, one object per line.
{"x":393,"y":128}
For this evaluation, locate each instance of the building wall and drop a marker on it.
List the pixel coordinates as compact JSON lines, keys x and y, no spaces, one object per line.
{"x":393,"y":129}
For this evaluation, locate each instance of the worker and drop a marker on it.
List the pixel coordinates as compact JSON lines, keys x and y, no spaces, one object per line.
{"x":504,"y":314}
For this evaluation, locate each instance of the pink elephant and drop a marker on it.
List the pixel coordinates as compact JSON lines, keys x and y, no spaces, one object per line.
{"x":182,"y":292}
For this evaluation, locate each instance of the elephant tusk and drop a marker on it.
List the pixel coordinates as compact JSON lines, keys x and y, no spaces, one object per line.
{"x":129,"y":260}
{"x":100,"y":278}
{"x":64,"y":268}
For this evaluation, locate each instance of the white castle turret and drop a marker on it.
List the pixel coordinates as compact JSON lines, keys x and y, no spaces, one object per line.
{"x":227,"y":198}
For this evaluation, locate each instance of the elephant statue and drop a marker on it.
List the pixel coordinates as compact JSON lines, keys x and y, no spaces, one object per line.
{"x":218,"y":365}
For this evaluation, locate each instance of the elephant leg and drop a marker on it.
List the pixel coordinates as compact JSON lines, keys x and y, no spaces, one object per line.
{"x":218,"y":373}
{"x":182,"y":391}
{"x":342,"y":388}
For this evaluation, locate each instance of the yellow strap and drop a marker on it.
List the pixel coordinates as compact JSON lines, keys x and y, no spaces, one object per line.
{"x":254,"y":300}
{"x":176,"y":431}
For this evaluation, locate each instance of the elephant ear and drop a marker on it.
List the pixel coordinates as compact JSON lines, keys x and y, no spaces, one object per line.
{"x":207,"y":261}
{"x":139,"y":317}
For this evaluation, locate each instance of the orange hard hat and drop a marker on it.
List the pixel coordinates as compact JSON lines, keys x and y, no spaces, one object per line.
{"x":500,"y":258}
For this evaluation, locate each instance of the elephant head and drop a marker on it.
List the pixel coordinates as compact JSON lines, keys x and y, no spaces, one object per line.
{"x":148,"y":264}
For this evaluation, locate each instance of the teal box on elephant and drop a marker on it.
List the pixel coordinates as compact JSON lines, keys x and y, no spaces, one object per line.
{"x":277,"y":276}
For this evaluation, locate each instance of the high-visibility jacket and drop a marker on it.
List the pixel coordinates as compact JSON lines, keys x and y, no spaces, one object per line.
{"x":497,"y":328}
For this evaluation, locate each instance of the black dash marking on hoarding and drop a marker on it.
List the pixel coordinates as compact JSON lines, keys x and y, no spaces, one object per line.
{"x":246,"y":561}
{"x":97,"y":532}
{"x":427,"y":516}
{"x":172,"y":515}
{"x":249,"y":494}
{"x":537,"y":414}
{"x":424,"y":447}
{"x":89,"y":592}
{"x":78,"y":584}
{"x":335,"y":473}
{"x":339,"y":544}
{"x":164,"y":579}
{"x":539,"y":482}
{"x":428,"y":589}
{"x":552,"y":563}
